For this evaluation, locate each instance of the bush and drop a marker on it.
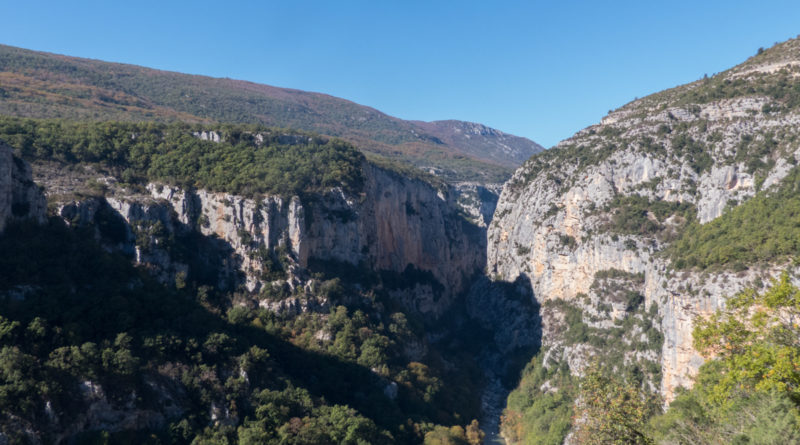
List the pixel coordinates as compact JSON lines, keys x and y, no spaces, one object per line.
{"x":540,"y":417}
{"x":637,"y":215}
{"x":612,"y":411}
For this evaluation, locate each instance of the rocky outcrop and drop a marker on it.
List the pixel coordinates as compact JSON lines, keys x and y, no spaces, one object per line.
{"x":682,"y":298}
{"x":553,"y":237}
{"x":20,"y":197}
{"x":478,"y":201}
{"x":395,"y":224}
{"x":99,"y":412}
{"x":556,"y":222}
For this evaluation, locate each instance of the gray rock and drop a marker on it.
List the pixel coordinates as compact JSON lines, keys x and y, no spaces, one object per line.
{"x":551,"y":222}
{"x":395,"y":223}
{"x":20,"y":197}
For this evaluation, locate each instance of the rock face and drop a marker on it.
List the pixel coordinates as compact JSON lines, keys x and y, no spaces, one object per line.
{"x":396,"y":224}
{"x":557,"y":222}
{"x":478,"y":201}
{"x":20,"y":198}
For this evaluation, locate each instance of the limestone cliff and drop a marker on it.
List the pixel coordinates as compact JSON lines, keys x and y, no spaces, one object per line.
{"x":690,"y":152}
{"x":20,"y":198}
{"x":478,"y":201}
{"x":395,"y":224}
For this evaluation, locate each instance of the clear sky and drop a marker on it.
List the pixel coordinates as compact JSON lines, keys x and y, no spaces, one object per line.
{"x":540,"y":69}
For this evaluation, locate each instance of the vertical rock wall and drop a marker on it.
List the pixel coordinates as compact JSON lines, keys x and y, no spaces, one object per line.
{"x":393,"y":224}
{"x":20,"y":197}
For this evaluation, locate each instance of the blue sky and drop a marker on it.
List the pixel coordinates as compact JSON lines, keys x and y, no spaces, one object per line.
{"x":540,"y":69}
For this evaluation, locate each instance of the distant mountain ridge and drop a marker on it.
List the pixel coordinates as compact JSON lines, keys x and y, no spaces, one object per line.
{"x":481,"y":141}
{"x":43,"y":85}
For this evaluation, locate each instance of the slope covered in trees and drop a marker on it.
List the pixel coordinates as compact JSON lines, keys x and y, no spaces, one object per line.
{"x":42,"y":85}
{"x":249,"y":160}
{"x":764,"y":229}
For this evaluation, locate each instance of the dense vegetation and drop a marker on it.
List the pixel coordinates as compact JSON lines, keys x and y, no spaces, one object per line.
{"x":76,"y":320}
{"x":762,"y":229}
{"x":614,"y":410}
{"x":637,"y":215}
{"x":249,"y":160}
{"x":540,"y":417}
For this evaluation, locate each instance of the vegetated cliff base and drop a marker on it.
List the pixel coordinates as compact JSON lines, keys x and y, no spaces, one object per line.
{"x":651,"y":193}
{"x":284,"y":244}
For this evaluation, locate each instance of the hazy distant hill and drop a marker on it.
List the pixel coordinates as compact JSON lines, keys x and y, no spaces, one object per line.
{"x":37,"y":84}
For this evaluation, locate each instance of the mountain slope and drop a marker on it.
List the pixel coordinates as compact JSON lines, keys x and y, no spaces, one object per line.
{"x":633,"y":228}
{"x":37,"y":84}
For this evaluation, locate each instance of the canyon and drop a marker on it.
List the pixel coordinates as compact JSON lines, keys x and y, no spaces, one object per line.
{"x":583,"y":228}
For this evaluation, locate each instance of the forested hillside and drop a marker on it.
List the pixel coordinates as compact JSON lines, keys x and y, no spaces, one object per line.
{"x":41,"y":85}
{"x":251,"y":160}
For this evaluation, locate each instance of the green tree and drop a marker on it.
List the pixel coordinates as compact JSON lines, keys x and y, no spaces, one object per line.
{"x":442,"y":435}
{"x":748,"y":390}
{"x":756,"y":340}
{"x":610,"y":410}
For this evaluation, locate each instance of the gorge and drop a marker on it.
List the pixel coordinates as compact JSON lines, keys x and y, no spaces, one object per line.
{"x":159,"y":288}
